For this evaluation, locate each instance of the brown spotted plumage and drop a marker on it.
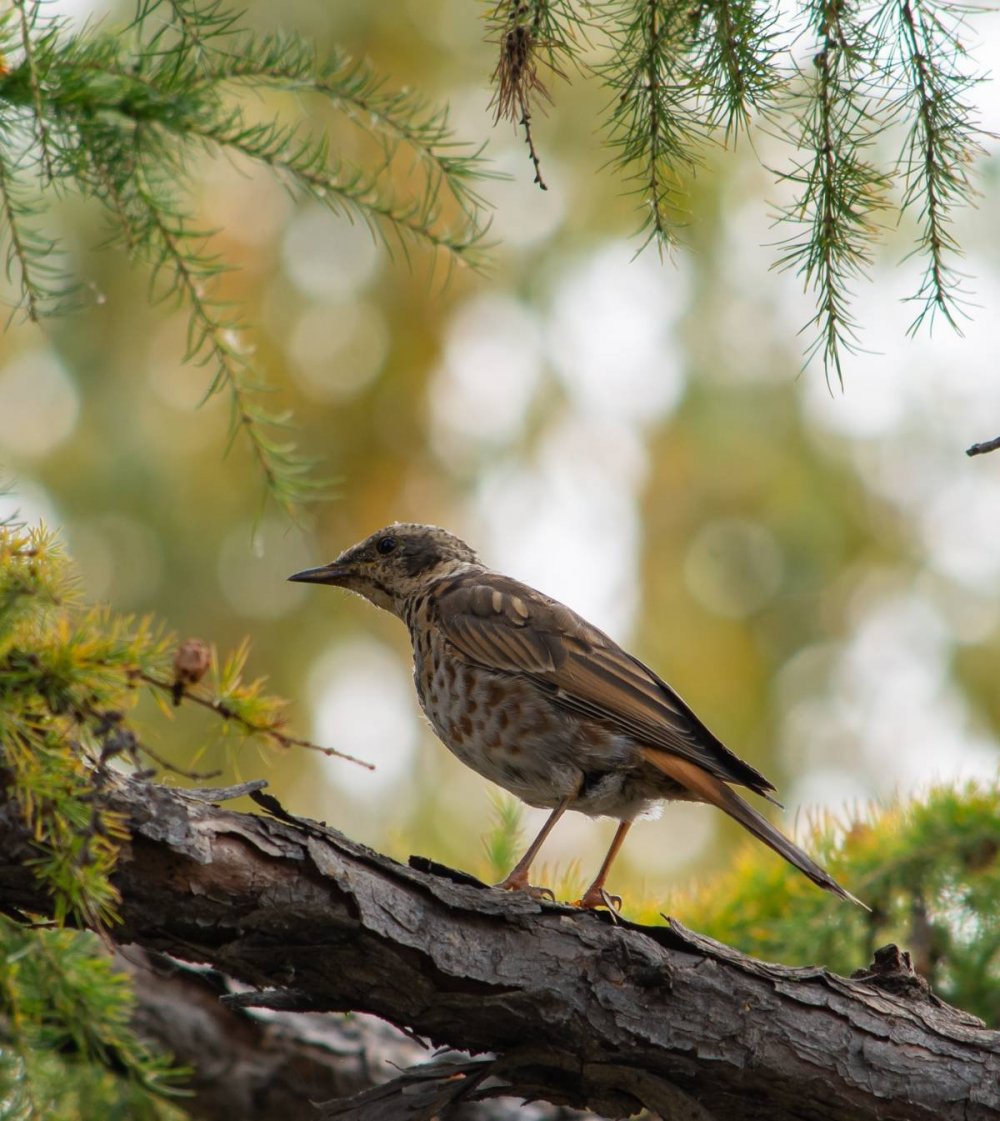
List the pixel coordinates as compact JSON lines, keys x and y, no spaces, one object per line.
{"x":539,"y":701}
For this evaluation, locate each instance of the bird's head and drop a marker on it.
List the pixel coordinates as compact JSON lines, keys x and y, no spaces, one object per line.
{"x":393,"y":564}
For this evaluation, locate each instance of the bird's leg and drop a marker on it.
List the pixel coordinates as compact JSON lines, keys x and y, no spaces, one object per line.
{"x":595,"y":896}
{"x":518,"y":878}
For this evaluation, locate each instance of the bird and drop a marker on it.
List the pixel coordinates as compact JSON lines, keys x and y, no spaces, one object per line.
{"x":541,"y":702}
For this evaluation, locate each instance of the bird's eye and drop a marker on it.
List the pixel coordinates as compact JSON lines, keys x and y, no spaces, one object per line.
{"x":385,"y":545}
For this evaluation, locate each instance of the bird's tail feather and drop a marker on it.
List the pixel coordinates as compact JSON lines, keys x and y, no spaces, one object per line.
{"x":711,"y":789}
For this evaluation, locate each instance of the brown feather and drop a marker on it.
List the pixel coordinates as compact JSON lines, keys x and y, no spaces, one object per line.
{"x":710,"y":789}
{"x":502,"y":624}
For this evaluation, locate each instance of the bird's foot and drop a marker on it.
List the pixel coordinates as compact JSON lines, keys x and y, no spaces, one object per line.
{"x":595,"y":897}
{"x":520,"y":883}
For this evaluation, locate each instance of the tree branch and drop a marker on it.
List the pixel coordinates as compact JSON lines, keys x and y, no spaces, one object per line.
{"x":573,"y":1006}
{"x":983,"y":448}
{"x":258,"y":1066}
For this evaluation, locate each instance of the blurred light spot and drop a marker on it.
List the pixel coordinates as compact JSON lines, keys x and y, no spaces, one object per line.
{"x":490,"y":373}
{"x":744,"y":353}
{"x":611,"y":334}
{"x":336,"y":352}
{"x":328,"y":258}
{"x":180,"y":385}
{"x":971,"y":616}
{"x":119,"y":558}
{"x":38,"y":404}
{"x":818,"y":731}
{"x":523,"y":215}
{"x":25,"y":501}
{"x":889,"y":706}
{"x":803,"y":674}
{"x":255,"y":561}
{"x":940,"y":743}
{"x":678,"y":838}
{"x":900,"y":647}
{"x":570,"y":525}
{"x":828,"y":788}
{"x":249,"y":207}
{"x":873,"y":407}
{"x":734,"y":567}
{"x":960,"y":530}
{"x":816,"y":728}
{"x":916,"y":394}
{"x":363,"y":703}
{"x":79,"y":13}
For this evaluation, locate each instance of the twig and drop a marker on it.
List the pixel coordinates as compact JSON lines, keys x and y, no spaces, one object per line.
{"x":227,"y":713}
{"x":986,"y":446}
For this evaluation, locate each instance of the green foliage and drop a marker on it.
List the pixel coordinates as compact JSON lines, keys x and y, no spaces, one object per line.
{"x":502,"y":844}
{"x":653,"y":124}
{"x":65,"y":680}
{"x":943,"y":139}
{"x":120,"y":115}
{"x":841,"y":191}
{"x":880,"y":109}
{"x":930,"y":871}
{"x":70,"y":677}
{"x":66,"y":1049}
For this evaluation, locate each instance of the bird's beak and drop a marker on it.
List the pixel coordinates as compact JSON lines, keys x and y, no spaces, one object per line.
{"x":333,"y":573}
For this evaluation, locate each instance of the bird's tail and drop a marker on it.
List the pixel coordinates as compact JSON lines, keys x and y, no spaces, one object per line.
{"x":709,"y":788}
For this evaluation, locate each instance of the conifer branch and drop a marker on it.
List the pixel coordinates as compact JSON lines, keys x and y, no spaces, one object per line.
{"x":27,"y":13}
{"x":685,"y":73}
{"x":119,"y":116}
{"x":651,"y":123}
{"x":69,"y":677}
{"x":736,"y":51}
{"x":229,"y":702}
{"x":399,"y":119}
{"x":531,"y":34}
{"x":941,"y":145}
{"x":841,"y":191}
{"x":304,"y":163}
{"x":27,"y":251}
{"x":216,"y":337}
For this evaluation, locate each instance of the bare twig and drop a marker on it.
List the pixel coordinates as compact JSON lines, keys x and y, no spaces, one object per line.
{"x":983,"y":448}
{"x":272,"y":731}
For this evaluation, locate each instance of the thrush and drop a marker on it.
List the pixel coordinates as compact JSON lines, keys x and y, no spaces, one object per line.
{"x":536,"y":699}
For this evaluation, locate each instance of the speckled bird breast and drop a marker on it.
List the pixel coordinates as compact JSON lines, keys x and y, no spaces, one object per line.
{"x":505,"y":728}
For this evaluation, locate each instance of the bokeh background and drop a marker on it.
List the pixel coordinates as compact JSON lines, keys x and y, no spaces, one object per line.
{"x":815,"y":570}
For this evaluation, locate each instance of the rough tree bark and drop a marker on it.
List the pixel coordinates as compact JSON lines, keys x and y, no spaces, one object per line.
{"x":259,"y":1065}
{"x":570,"y":1007}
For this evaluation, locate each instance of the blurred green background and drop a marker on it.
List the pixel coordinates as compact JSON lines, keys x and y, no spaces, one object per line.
{"x":816,"y":572}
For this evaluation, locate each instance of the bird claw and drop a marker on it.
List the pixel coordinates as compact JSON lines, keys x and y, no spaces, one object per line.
{"x":545,"y":893}
{"x":594,"y":898}
{"x":530,"y":890}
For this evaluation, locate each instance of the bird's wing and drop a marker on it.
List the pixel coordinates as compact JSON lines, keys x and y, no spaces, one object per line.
{"x":502,"y":624}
